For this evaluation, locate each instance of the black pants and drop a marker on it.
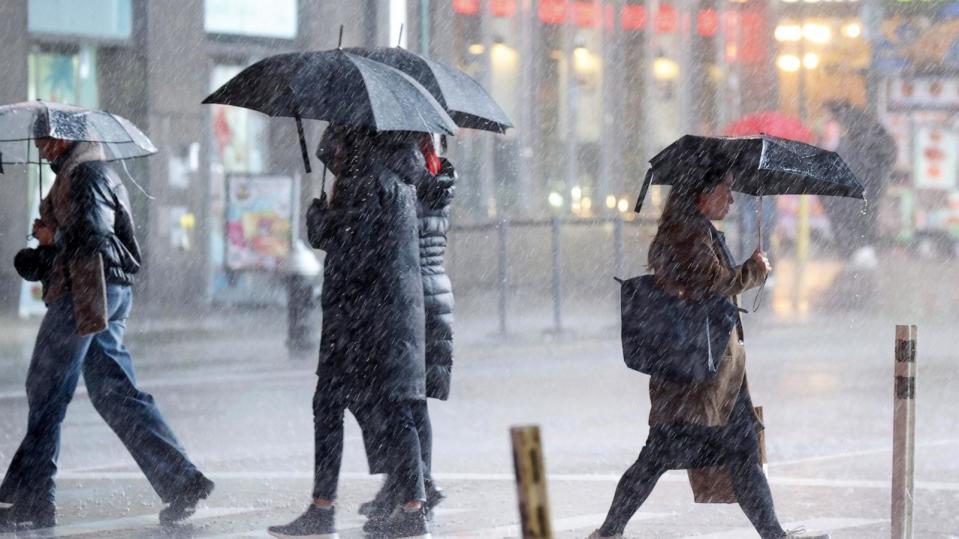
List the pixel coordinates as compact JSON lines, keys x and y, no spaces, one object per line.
{"x":749,"y":484}
{"x":421,"y":417}
{"x":682,"y":446}
{"x":405,"y":473}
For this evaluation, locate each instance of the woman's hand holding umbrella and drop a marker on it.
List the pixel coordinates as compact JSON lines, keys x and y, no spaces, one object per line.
{"x":759,"y":257}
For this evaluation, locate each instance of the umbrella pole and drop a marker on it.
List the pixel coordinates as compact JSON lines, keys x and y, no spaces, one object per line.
{"x":303,"y":150}
{"x":760,"y":223}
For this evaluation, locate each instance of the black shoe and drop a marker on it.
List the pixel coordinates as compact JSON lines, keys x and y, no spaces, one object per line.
{"x":404,"y":523}
{"x":28,"y":517}
{"x":379,"y":505}
{"x":183,"y":505}
{"x":8,"y":522}
{"x":434,"y":495}
{"x":42,"y":516}
{"x":315,"y":523}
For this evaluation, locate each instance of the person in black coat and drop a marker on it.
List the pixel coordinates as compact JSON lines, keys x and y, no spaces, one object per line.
{"x":434,"y":197}
{"x":371,"y":351}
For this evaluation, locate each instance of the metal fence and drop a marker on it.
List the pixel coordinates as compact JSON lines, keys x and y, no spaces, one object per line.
{"x":547,"y":258}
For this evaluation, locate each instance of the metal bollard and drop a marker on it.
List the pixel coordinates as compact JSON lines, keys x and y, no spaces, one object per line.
{"x":503,"y":236}
{"x":302,"y":268}
{"x":557,"y":277}
{"x":904,"y":433}
{"x":531,"y":482}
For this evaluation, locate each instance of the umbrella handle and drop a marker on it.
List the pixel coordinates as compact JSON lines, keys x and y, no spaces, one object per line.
{"x":303,"y":150}
{"x":642,"y":193}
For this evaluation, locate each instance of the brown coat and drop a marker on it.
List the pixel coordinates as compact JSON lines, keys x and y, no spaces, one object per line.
{"x":688,"y":258}
{"x":81,"y":276}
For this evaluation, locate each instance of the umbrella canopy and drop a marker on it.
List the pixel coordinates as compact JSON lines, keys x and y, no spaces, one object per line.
{"x":466,"y":101}
{"x":22,"y":122}
{"x":775,"y":124}
{"x":338,"y":87}
{"x":761,"y":165}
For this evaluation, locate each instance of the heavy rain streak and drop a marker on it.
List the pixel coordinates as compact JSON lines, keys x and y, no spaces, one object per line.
{"x":479,"y":269}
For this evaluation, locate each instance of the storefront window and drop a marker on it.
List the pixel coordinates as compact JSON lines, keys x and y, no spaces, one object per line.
{"x":277,"y":18}
{"x":240,"y":139}
{"x":239,"y":135}
{"x":112,"y":19}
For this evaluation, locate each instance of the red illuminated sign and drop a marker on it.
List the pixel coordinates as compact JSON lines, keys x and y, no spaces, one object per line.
{"x":466,"y":7}
{"x":707,"y":22}
{"x":634,"y":17}
{"x":502,"y":8}
{"x":553,"y":11}
{"x":667,"y":19}
{"x":587,"y":14}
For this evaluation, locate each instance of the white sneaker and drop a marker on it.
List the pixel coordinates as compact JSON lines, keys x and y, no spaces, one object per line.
{"x":802,"y":533}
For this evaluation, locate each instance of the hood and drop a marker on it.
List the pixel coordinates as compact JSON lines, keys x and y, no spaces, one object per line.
{"x":80,"y":152}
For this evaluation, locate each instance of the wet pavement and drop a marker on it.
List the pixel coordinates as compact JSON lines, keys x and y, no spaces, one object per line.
{"x":241,"y":407}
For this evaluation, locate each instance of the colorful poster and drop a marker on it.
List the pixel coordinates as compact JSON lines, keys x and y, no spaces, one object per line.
{"x":935,"y":157}
{"x":258,"y":222}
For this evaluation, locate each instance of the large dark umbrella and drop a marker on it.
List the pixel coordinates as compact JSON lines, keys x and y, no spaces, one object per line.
{"x":761,"y":165}
{"x":21,"y":123}
{"x":466,"y":101}
{"x":335,"y":86}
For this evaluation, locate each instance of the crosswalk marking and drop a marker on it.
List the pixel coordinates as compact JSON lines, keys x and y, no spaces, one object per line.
{"x":817,"y":524}
{"x":124,"y":523}
{"x":559,"y":525}
{"x":774,"y":479}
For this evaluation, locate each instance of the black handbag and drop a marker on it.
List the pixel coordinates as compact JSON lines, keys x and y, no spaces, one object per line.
{"x":670,"y":337}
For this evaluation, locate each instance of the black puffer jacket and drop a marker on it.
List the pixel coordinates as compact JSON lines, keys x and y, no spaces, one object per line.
{"x":434,"y":197}
{"x":434,"y":214}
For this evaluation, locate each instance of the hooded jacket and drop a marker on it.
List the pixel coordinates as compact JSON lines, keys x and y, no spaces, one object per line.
{"x":88,"y":209}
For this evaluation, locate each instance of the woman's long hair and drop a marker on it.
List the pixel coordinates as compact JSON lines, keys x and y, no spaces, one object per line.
{"x":681,"y":209}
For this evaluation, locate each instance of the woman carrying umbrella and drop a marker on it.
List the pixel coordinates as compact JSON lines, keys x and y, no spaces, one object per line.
{"x":710,"y":423}
{"x":371,"y":351}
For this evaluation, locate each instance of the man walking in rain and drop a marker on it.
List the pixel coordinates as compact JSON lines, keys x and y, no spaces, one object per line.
{"x":371,"y":351}
{"x":87,"y":261}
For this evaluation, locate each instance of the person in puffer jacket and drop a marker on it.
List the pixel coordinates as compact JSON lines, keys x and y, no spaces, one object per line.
{"x":434,"y":178}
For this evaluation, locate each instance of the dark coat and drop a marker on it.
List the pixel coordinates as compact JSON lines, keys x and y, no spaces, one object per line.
{"x":691,"y":258}
{"x":434,"y":197}
{"x":371,"y":345}
{"x":88,"y":209}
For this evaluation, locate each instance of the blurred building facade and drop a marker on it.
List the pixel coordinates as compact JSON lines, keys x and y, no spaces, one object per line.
{"x":594,"y":87}
{"x":153,"y":61}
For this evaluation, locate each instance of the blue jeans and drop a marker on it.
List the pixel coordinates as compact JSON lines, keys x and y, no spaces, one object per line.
{"x":60,"y":355}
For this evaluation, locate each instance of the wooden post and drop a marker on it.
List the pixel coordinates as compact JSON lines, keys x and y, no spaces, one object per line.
{"x":904,"y":432}
{"x":531,"y":482}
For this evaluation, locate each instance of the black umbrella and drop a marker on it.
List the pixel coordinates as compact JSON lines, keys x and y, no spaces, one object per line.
{"x":466,"y":101}
{"x":335,"y":86}
{"x":761,"y":165}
